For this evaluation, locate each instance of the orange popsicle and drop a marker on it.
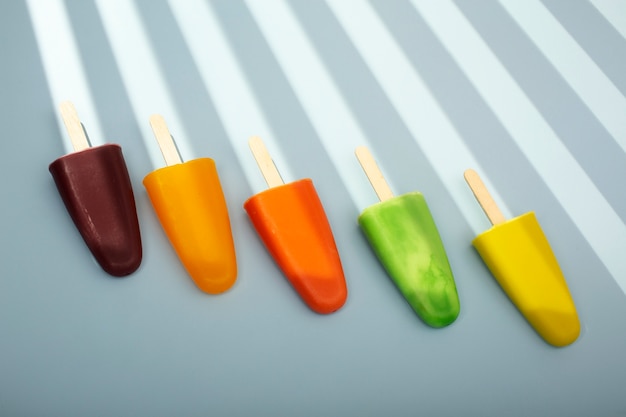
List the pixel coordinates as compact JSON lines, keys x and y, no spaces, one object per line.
{"x":291,"y":222}
{"x":519,"y":256}
{"x":190,"y":205}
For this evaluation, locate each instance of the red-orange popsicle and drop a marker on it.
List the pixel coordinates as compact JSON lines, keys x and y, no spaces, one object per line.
{"x":291,"y":222}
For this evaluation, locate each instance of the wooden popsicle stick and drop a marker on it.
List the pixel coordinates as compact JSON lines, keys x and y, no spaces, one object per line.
{"x":164,"y":138}
{"x":74,"y":127}
{"x":485,"y":200}
{"x":265,"y":162}
{"x":382,"y":189}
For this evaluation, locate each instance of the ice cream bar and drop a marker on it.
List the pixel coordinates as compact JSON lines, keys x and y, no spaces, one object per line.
{"x":189,"y":202}
{"x":403,"y":234}
{"x":291,"y":222}
{"x":95,"y":187}
{"x":519,"y":256}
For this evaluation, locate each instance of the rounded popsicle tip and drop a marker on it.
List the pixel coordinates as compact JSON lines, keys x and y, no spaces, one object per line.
{"x":558,"y":328}
{"x":212,"y":266}
{"x":119,"y":259}
{"x":434,"y":296}
{"x":442,"y":317}
{"x":213,"y":279}
{"x":324,"y":295}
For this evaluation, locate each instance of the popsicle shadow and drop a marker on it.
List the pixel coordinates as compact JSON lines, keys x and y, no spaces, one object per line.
{"x":86,"y":134}
{"x":176,"y":147}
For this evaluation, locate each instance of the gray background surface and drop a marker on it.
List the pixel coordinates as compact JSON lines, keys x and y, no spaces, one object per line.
{"x":76,"y":342}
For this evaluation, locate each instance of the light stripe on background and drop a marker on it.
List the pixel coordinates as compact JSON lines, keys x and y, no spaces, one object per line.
{"x":331,"y":117}
{"x":63,"y":66}
{"x":614,"y":11}
{"x":575,"y":66}
{"x":228,"y":87}
{"x":591,"y":30}
{"x":415,"y":104}
{"x":585,"y":205}
{"x":142,"y":76}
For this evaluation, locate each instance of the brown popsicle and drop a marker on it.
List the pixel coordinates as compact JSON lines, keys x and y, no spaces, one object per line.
{"x":95,"y":187}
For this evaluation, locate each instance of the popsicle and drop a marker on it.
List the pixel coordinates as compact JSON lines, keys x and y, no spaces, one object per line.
{"x":519,"y":256}
{"x":291,"y":222}
{"x":189,"y":202}
{"x":404,"y":237}
{"x":95,"y":187}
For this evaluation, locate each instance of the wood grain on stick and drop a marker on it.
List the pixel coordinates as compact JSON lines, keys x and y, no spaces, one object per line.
{"x":375,"y":176}
{"x":164,"y":139}
{"x":265,"y":162}
{"x":74,"y":127}
{"x":485,"y":200}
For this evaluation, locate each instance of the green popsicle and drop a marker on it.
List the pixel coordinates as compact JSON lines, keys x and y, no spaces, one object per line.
{"x":403,"y":234}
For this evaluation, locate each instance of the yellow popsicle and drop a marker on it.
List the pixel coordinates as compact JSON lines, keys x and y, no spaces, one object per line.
{"x":519,"y":256}
{"x":190,"y":205}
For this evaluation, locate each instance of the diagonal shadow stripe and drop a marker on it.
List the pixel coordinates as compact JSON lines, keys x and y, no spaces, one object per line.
{"x":498,"y":154}
{"x":197,"y":110}
{"x":599,"y":38}
{"x":296,"y":136}
{"x":107,"y":88}
{"x":392,"y":143}
{"x":579,"y":130}
{"x":294,"y":131}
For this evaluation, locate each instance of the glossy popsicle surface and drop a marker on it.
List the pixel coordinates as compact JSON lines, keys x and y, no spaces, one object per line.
{"x":404,"y":237}
{"x":291,"y":222}
{"x":519,"y":256}
{"x":190,"y":205}
{"x":189,"y":202}
{"x":95,"y":187}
